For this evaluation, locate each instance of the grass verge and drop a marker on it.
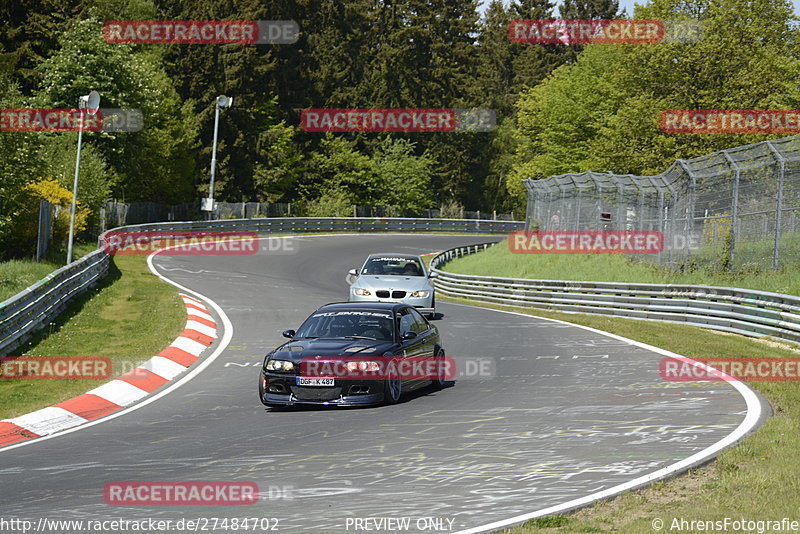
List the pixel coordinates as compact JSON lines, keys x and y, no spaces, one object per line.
{"x":499,"y":261}
{"x":16,"y":275}
{"x":758,"y":479}
{"x":129,"y":317}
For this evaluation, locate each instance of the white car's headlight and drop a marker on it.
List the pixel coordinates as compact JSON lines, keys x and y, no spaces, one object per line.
{"x":360,"y":291}
{"x":280,"y":365}
{"x":422,"y":293}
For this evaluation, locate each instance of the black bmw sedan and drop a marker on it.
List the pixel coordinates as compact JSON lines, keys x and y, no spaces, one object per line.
{"x":354,"y":354}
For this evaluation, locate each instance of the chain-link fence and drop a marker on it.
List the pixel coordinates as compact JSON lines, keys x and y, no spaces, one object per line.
{"x":116,"y":214}
{"x":119,"y":213}
{"x":738,"y":208}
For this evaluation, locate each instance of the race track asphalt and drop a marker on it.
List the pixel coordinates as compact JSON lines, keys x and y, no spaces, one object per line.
{"x":568,"y":413}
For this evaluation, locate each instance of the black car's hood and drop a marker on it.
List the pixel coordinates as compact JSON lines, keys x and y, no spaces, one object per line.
{"x":309,"y":348}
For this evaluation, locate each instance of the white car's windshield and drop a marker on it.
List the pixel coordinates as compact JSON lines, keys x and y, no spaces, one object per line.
{"x":393,"y":266}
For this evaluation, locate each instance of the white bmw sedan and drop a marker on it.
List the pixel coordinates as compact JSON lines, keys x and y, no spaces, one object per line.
{"x":394,"y":278}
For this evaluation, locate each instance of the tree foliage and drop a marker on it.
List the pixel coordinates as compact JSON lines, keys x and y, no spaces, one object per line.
{"x":602,"y":112}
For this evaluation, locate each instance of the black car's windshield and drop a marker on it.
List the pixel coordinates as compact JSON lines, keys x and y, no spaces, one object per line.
{"x":359,"y":324}
{"x":393,"y":266}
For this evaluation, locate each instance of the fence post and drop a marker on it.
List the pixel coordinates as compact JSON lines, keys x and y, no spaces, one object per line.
{"x":45,"y":227}
{"x":688,"y":226}
{"x":641,"y":206}
{"x":734,"y":209}
{"x":778,"y":203}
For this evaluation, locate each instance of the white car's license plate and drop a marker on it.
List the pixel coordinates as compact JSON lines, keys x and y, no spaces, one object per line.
{"x":302,"y":381}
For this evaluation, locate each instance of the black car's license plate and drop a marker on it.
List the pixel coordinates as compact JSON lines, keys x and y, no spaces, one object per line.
{"x":303,"y":381}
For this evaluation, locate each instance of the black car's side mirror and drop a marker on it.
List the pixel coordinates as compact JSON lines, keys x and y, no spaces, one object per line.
{"x":288,"y":333}
{"x":409,"y":335}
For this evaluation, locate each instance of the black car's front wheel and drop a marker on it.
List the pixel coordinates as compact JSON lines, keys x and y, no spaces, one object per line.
{"x":442,"y":371}
{"x":392,"y":387}
{"x":262,"y":387}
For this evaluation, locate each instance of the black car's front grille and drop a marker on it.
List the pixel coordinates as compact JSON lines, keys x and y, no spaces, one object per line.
{"x":316,"y":393}
{"x":398,"y":294}
{"x":382,"y":294}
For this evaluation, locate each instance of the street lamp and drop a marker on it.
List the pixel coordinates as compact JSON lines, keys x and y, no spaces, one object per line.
{"x":87,"y":104}
{"x":222,"y":102}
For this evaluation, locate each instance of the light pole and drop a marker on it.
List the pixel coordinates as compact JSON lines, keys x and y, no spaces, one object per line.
{"x":86,"y":104}
{"x":222,"y":102}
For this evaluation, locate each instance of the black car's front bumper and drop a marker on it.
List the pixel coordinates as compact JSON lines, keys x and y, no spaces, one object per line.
{"x":282,"y":389}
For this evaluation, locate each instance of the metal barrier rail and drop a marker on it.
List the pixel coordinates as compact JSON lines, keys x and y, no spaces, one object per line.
{"x":334,"y":224}
{"x":23,"y":314}
{"x":742,"y":311}
{"x":36,"y":306}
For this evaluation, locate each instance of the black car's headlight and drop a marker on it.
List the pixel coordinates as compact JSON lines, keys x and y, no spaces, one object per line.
{"x":280,"y":366}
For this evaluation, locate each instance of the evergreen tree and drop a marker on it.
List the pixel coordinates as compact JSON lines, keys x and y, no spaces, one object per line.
{"x":586,"y":10}
{"x":533,"y":62}
{"x":495,"y":72}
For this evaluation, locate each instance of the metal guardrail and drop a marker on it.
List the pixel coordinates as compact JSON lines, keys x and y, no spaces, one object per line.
{"x":32,"y":309}
{"x":26,"y":312}
{"x":334,"y":224}
{"x":741,"y":311}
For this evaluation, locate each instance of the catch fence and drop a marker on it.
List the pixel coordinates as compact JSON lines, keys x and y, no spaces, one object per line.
{"x":738,"y":208}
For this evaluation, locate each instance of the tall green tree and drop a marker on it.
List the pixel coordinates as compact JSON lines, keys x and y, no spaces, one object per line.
{"x":403,"y":177}
{"x":19,"y":166}
{"x":532,"y":61}
{"x":29,"y":32}
{"x":586,"y":10}
{"x":602,"y":112}
{"x":154,"y":163}
{"x":495,"y":70}
{"x":248,"y":73}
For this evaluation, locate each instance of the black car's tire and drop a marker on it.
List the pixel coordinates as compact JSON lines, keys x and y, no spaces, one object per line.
{"x":261,"y":389}
{"x":441,"y":379}
{"x":392,"y":386}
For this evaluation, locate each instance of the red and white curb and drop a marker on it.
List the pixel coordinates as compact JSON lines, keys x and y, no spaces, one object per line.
{"x":200,"y":332}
